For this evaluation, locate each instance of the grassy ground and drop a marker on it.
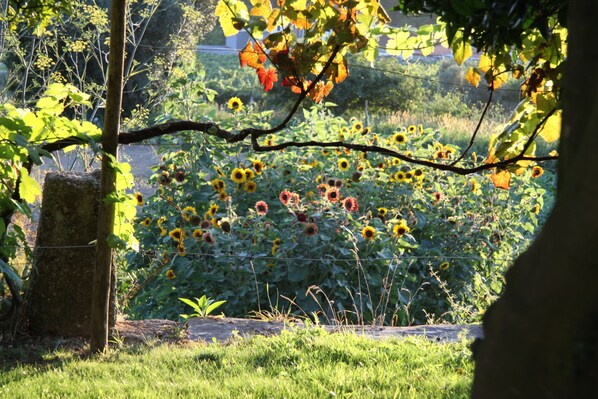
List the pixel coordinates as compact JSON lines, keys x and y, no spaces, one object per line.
{"x":297,"y":364}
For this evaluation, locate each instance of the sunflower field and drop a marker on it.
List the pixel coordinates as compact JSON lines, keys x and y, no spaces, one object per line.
{"x":328,"y":233}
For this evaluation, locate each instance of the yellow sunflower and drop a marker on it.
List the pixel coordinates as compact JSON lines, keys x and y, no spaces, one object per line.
{"x":146,"y":222}
{"x":197,"y":233}
{"x":249,"y":174}
{"x":399,"y":138}
{"x":176,"y":234}
{"x":368,"y":233}
{"x":235,"y":104}
{"x":537,"y":171}
{"x":238,"y":175}
{"x":213,"y":209}
{"x":382,"y":211}
{"x":139,"y":198}
{"x":258,"y":166}
{"x":411,"y":129}
{"x":187,"y":212}
{"x":444,"y":265}
{"x":250,"y":186}
{"x":357,"y":126}
{"x":400,"y":229}
{"x":170,"y":274}
{"x":343,"y":164}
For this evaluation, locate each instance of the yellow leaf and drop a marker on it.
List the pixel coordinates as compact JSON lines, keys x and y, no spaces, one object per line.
{"x":261,"y":8}
{"x":461,"y":49}
{"x":551,"y":131}
{"x":501,"y":179}
{"x":485,"y":63}
{"x":473,"y":77}
{"x":522,"y":166}
{"x":226,"y":10}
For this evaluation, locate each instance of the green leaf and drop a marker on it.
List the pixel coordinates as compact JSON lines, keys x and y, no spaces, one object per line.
{"x":29,"y":188}
{"x":461,"y":48}
{"x":10,"y":273}
{"x":214,"y":306}
{"x":190,"y":303}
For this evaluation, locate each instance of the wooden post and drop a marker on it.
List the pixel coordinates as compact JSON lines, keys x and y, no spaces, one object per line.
{"x":102,"y":275}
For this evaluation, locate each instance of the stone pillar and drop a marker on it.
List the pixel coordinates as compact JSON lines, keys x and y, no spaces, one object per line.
{"x":59,"y":298}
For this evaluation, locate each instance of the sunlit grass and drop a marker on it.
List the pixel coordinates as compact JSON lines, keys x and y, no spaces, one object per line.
{"x":297,"y":364}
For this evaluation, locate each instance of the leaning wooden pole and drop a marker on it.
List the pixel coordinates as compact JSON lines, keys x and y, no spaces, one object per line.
{"x":101,"y":281}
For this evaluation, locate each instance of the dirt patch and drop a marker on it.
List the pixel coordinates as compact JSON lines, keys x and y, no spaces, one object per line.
{"x":221,"y":329}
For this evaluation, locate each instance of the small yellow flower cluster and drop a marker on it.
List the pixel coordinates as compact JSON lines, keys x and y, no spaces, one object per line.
{"x":78,"y":46}
{"x":43,"y":62}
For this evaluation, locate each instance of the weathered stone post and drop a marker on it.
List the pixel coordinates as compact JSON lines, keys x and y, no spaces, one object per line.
{"x":59,"y":298}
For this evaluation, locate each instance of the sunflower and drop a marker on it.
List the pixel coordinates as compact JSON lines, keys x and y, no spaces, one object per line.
{"x":139,"y":198}
{"x":181,"y":250}
{"x":357,"y":126}
{"x":277,"y":241}
{"x":146,"y":222}
{"x":165,"y":178}
{"x":197,"y":233}
{"x":351,"y":204}
{"x":396,"y":161}
{"x":170,"y":274}
{"x":368,"y":233}
{"x":322,"y":187}
{"x":205,"y":224}
{"x":213,"y":209}
{"x":411,"y":129}
{"x":216,"y":222}
{"x":310,"y":229}
{"x":250,"y":186}
{"x":176,"y":234}
{"x":382,"y":211}
{"x":219,"y":171}
{"x":408,"y":175}
{"x":399,"y":138}
{"x":207,"y":237}
{"x":437,"y":196}
{"x":249,"y":174}
{"x":333,"y":194}
{"x":188,"y":212}
{"x":537,"y":171}
{"x":341,"y":137}
{"x":367,"y":130}
{"x":261,"y":208}
{"x":444,"y":265}
{"x":301,"y":217}
{"x":343,"y":164}
{"x":235,"y":104}
{"x":418,"y":174}
{"x":194,"y":220}
{"x":225,"y":226}
{"x":218,"y":185}
{"x":223,"y":196}
{"x":258,"y":166}
{"x":285,"y":197}
{"x":400,"y":176}
{"x":238,"y":175}
{"x":274,"y":249}
{"x":179,"y":175}
{"x":325,"y":152}
{"x":400,"y":229}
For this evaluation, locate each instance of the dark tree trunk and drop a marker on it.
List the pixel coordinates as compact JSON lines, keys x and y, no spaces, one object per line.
{"x":102,"y":276}
{"x":541,"y":336}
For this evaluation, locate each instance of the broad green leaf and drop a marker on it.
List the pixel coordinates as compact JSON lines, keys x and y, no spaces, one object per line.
{"x":10,"y":273}
{"x":189,"y":302}
{"x":29,"y":188}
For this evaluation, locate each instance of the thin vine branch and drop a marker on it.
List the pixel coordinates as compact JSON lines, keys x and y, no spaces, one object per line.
{"x":477,"y":128}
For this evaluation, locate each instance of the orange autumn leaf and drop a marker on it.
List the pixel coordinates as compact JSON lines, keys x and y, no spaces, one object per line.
{"x":501,"y":179}
{"x":267,"y":78}
{"x":252,"y":56}
{"x":320,"y":91}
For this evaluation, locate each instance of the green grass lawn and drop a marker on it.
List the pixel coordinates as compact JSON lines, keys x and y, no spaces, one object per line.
{"x":297,"y":364}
